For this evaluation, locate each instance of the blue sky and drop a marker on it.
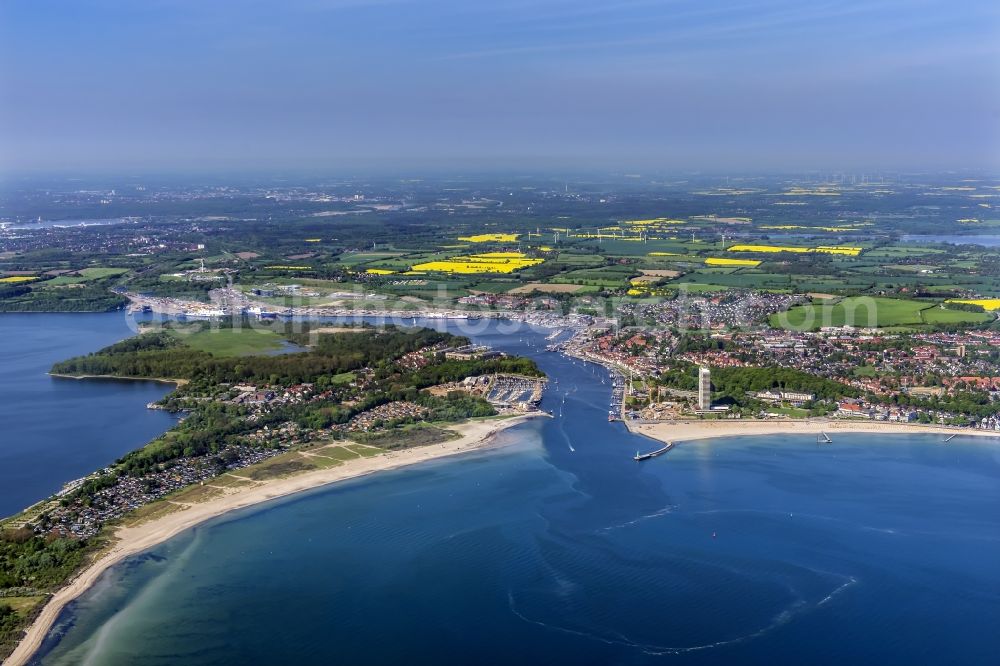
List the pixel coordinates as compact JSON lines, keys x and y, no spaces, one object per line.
{"x":616,"y":84}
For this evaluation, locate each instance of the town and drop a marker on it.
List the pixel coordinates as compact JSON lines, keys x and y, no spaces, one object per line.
{"x":945,"y":378}
{"x":271,"y":420}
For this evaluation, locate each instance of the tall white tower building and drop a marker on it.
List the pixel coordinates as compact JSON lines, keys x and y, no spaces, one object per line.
{"x":704,"y":389}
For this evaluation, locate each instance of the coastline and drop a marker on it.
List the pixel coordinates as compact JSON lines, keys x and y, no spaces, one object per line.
{"x":31,"y":312}
{"x":474,"y":435}
{"x":692,"y":430}
{"x":161,"y":380}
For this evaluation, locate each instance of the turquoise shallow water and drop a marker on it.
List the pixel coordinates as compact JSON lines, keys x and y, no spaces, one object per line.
{"x":560,"y":548}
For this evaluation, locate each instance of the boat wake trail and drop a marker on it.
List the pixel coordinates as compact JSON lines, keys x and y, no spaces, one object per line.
{"x":851,"y":580}
{"x":853,"y":524}
{"x":565,"y":436}
{"x":815,"y":517}
{"x":785,"y":616}
{"x":657,"y":650}
{"x":635,"y":521}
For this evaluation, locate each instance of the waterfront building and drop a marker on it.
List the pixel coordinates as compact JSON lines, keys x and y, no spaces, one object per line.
{"x":704,"y":389}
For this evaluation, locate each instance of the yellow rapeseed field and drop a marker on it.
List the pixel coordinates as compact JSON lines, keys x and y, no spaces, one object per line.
{"x":840,"y":249}
{"x":840,"y":229}
{"x":823,"y":249}
{"x":490,"y":238}
{"x":653,"y":221}
{"x":646,"y":291}
{"x":599,"y":234}
{"x":11,"y":279}
{"x":987,"y":303}
{"x":719,"y":261}
{"x":379,"y":271}
{"x":766,"y":248}
{"x":488,"y":262}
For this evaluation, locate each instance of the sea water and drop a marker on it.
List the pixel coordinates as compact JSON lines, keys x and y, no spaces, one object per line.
{"x":557,"y":547}
{"x":52,"y":429}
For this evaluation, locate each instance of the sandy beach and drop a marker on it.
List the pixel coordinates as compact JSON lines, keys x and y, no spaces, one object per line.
{"x":161,"y":380}
{"x":474,"y":435}
{"x":689,"y":430}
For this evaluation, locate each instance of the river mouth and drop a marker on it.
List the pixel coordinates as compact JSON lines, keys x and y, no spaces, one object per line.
{"x":560,"y":547}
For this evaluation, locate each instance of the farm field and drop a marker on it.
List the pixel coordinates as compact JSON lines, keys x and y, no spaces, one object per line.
{"x":861,"y":311}
{"x":489,"y":238}
{"x":985,"y":303}
{"x":473,"y":264}
{"x":606,"y":261}
{"x":547,"y":288}
{"x":939,"y":315}
{"x":86,"y":275}
{"x":421,"y":245}
{"x":871,"y":312}
{"x":233,"y":342}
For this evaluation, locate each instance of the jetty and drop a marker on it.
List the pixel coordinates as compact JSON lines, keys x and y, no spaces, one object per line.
{"x":823,"y":438}
{"x":951,"y":437}
{"x":652,"y":454}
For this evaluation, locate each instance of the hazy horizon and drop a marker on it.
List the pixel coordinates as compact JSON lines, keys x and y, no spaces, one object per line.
{"x":396,"y":86}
